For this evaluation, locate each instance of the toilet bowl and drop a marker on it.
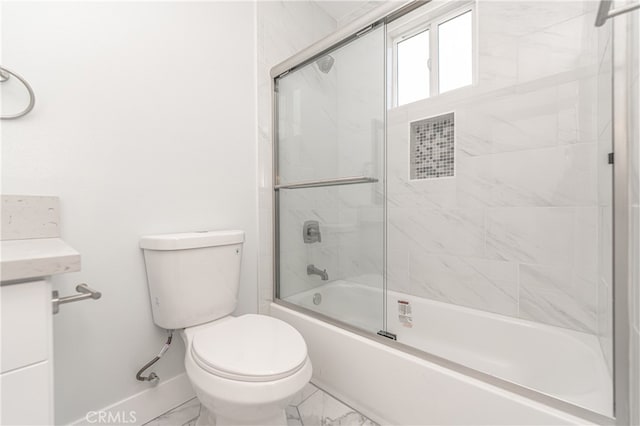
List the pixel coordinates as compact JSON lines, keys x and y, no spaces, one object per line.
{"x":245,"y":369}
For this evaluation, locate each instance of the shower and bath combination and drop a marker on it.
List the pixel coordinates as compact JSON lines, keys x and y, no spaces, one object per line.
{"x":452,"y":217}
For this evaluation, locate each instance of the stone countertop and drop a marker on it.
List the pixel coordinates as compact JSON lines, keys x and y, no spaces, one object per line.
{"x":36,"y":258}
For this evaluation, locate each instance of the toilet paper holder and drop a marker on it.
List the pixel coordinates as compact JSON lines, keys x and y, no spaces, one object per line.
{"x":84,"y":292}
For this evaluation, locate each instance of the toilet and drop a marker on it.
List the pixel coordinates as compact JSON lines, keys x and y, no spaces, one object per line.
{"x":243,"y":369}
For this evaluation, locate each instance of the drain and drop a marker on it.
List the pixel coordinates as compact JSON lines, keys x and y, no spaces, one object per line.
{"x":317,"y":299}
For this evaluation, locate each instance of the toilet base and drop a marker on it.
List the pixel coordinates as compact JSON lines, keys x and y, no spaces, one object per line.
{"x":207,"y":418}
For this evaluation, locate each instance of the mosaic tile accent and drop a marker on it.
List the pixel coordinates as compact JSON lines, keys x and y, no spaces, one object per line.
{"x":432,"y":147}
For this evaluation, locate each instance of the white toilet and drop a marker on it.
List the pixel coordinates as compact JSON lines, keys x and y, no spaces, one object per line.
{"x":243,"y":369}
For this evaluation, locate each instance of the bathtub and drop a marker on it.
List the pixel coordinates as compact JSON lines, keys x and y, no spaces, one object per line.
{"x":367,"y":373}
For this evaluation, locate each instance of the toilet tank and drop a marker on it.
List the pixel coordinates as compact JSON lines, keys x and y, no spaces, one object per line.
{"x":193,"y":277}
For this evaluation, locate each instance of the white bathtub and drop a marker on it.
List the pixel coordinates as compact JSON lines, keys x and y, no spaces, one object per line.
{"x":559,"y":362}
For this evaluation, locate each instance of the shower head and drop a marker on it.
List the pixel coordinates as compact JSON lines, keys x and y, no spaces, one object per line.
{"x":325,"y":63}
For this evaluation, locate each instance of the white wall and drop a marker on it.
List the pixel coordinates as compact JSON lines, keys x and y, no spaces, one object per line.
{"x":144,"y":123}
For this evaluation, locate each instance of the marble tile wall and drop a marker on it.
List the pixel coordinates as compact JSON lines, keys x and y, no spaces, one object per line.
{"x":283,"y":29}
{"x":350,"y":219}
{"x":605,"y":201}
{"x":517,"y":230}
{"x":352,"y":231}
{"x":307,"y":116}
{"x":336,"y":131}
{"x":360,"y":100}
{"x":298,"y":206}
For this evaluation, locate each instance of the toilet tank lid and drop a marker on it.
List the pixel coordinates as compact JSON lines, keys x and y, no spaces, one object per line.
{"x":191,"y":240}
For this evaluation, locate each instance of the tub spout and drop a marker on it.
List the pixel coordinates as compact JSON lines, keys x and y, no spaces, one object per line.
{"x":312,"y":270}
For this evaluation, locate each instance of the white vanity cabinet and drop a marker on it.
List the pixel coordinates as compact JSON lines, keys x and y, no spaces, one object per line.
{"x":26,"y":332}
{"x":26,"y":363}
{"x":31,"y":252}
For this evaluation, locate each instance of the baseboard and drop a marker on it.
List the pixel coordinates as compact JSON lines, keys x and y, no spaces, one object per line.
{"x":144,"y":406}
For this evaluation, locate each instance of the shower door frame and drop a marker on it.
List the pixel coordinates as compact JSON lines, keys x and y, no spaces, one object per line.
{"x":389,"y":12}
{"x":621,"y":137}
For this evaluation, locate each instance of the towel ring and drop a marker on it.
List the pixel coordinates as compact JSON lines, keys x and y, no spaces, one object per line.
{"x":5,"y":74}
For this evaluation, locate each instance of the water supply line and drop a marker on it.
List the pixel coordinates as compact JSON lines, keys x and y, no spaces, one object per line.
{"x":153,"y":377}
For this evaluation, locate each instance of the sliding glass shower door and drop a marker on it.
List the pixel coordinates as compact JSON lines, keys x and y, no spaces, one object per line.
{"x":330,"y":182}
{"x":446,"y":179}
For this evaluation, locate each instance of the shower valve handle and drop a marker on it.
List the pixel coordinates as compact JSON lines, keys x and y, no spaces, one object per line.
{"x":311,"y":232}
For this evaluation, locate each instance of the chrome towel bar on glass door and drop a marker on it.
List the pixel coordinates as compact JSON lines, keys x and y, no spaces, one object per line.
{"x":328,"y":182}
{"x":84,"y":292}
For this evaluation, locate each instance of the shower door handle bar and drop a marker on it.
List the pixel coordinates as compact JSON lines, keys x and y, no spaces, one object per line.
{"x":605,"y":12}
{"x":328,"y":182}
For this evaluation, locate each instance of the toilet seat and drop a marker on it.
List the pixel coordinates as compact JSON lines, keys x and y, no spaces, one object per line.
{"x":252,"y":348}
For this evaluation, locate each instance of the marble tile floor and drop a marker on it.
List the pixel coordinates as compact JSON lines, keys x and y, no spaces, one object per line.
{"x":183,"y":415}
{"x":311,"y":407}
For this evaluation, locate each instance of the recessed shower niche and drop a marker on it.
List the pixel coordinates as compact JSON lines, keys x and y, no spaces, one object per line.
{"x":432,"y":147}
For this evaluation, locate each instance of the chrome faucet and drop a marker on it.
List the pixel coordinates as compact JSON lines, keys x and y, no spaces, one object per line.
{"x":312,"y":270}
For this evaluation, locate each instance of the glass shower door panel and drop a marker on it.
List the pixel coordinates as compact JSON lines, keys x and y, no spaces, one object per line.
{"x":499,"y":256}
{"x":329,"y":113}
{"x":330,"y":237}
{"x":337,"y":272}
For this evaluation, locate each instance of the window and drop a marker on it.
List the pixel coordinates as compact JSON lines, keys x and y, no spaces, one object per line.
{"x":455,"y":53}
{"x":433,"y":57}
{"x":413,"y":68}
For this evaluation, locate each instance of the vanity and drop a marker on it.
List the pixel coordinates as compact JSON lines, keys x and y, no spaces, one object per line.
{"x":31,"y":253}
